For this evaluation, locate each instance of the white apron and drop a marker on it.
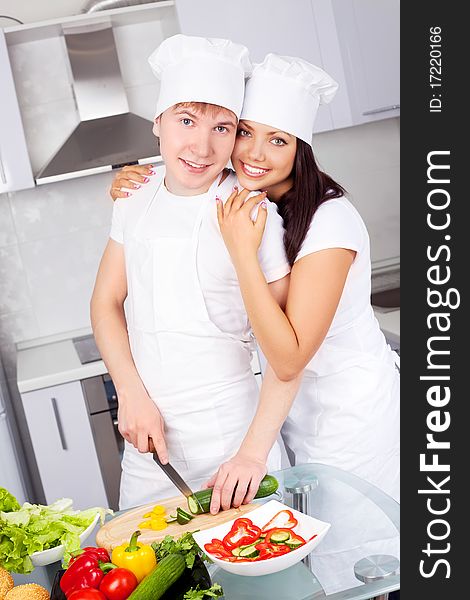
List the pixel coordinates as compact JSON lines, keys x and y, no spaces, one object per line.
{"x":199,"y":377}
{"x":347,"y":410}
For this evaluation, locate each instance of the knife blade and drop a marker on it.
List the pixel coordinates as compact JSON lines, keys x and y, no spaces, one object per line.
{"x":174,"y":477}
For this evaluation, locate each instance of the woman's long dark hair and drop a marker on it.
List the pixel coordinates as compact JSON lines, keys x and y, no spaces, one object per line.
{"x":297,"y":206}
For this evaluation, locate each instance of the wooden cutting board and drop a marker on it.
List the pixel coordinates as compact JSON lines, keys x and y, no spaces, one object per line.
{"x":119,"y":530}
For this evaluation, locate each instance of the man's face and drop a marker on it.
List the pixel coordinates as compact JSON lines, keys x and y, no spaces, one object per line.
{"x":195,"y":142}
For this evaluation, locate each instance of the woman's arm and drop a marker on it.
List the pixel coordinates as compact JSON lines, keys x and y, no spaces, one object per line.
{"x":288,"y":339}
{"x":138,"y":417}
{"x":244,"y":472}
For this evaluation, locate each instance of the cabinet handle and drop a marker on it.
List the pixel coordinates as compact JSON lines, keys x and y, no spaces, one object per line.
{"x":2,"y":171}
{"x":379,"y":110}
{"x":55,"y":408}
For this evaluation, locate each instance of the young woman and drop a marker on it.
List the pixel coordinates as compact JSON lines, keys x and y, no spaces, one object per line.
{"x":346,"y":412}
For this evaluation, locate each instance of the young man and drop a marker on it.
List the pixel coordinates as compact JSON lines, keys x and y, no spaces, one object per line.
{"x":179,"y":354}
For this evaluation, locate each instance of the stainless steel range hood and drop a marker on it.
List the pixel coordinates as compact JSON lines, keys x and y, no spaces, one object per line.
{"x":108,"y":136}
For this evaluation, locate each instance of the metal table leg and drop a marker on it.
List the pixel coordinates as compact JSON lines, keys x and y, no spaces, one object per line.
{"x":376,"y":566}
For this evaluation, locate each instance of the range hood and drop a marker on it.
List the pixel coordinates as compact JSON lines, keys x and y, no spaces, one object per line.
{"x":108,"y":135}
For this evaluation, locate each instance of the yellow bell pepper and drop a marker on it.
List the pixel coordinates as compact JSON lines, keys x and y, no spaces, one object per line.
{"x":138,"y":558}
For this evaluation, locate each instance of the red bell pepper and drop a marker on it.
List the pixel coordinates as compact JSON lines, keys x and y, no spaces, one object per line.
{"x":268,"y":550}
{"x":242,"y":533}
{"x":284,"y":519}
{"x":217,"y":548}
{"x":85,"y":572}
{"x":99,"y":553}
{"x":118,"y":584}
{"x":87,"y":594}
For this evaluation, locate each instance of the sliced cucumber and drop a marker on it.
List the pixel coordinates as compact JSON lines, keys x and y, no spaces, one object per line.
{"x":293,"y":544}
{"x":171,"y":518}
{"x":236,"y":551}
{"x":279,"y":537}
{"x":182,"y":516}
{"x":248,"y":552}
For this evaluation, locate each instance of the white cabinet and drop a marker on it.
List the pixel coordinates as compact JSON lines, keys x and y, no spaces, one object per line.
{"x":15,"y":167}
{"x":368,"y":33}
{"x":63,"y":444}
{"x":355,"y":41}
{"x":280,"y":26}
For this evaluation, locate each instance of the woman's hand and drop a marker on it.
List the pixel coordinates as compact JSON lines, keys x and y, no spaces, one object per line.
{"x":130,"y":177}
{"x":140,"y":422}
{"x":241,"y":234}
{"x":241,"y":475}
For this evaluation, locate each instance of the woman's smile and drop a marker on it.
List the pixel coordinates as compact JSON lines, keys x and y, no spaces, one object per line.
{"x":252,"y":171}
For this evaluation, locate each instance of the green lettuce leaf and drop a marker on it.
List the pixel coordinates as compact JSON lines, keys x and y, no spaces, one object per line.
{"x":35,"y":527}
{"x":8,"y":502}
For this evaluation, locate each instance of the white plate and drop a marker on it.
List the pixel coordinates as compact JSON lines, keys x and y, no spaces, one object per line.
{"x":46,"y":557}
{"x":306,"y":527}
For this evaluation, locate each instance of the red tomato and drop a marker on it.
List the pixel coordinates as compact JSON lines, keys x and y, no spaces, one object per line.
{"x":118,"y":584}
{"x":87,"y":594}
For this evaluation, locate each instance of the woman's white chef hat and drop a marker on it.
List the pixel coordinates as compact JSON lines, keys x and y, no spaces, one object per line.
{"x":285,"y":92}
{"x":197,"y":69}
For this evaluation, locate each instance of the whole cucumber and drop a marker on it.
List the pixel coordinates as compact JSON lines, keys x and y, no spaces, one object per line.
{"x":158,"y":581}
{"x":200,"y":501}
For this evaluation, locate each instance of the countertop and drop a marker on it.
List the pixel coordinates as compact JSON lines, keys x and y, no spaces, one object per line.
{"x":53,"y":360}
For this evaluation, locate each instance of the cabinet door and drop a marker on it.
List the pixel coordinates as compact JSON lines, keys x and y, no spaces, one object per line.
{"x":369,"y":39}
{"x":15,"y":167}
{"x":280,"y":26}
{"x":63,"y":444}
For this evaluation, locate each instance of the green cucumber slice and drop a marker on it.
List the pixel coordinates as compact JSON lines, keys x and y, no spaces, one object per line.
{"x":280,"y":537}
{"x":293,"y":544}
{"x":182,"y":516}
{"x":248,"y":552}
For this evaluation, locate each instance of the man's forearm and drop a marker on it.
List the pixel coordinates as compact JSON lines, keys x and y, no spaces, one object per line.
{"x":275,"y":401}
{"x":110,"y":331}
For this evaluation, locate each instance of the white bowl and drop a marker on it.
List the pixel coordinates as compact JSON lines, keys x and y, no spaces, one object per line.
{"x":46,"y":557}
{"x":306,"y":527}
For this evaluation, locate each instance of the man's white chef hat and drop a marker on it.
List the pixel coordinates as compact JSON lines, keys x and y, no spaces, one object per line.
{"x":197,"y":69}
{"x":285,"y":92}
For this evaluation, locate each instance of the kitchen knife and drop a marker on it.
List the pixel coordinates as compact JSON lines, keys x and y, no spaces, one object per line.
{"x":174,"y":476}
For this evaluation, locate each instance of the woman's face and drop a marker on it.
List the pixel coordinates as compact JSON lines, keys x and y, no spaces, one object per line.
{"x":263,"y":158}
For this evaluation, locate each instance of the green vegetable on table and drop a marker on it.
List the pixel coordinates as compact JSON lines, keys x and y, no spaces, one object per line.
{"x":200,"y":501}
{"x":157,"y":582}
{"x":184,"y":545}
{"x":196,"y":594}
{"x":36,"y":527}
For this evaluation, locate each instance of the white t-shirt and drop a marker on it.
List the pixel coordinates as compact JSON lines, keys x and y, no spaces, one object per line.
{"x":174,"y":216}
{"x":354,"y":329}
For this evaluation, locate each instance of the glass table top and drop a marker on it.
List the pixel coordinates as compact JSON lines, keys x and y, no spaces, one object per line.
{"x":364,"y":522}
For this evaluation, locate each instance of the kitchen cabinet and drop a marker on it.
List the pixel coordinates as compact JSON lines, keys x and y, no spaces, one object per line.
{"x":15,"y":167}
{"x":61,"y":436}
{"x":355,"y":41}
{"x":279,"y":26}
{"x":368,"y":33}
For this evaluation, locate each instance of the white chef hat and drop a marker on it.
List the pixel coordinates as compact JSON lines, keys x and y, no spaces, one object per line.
{"x":197,"y":69}
{"x":285,"y":92}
